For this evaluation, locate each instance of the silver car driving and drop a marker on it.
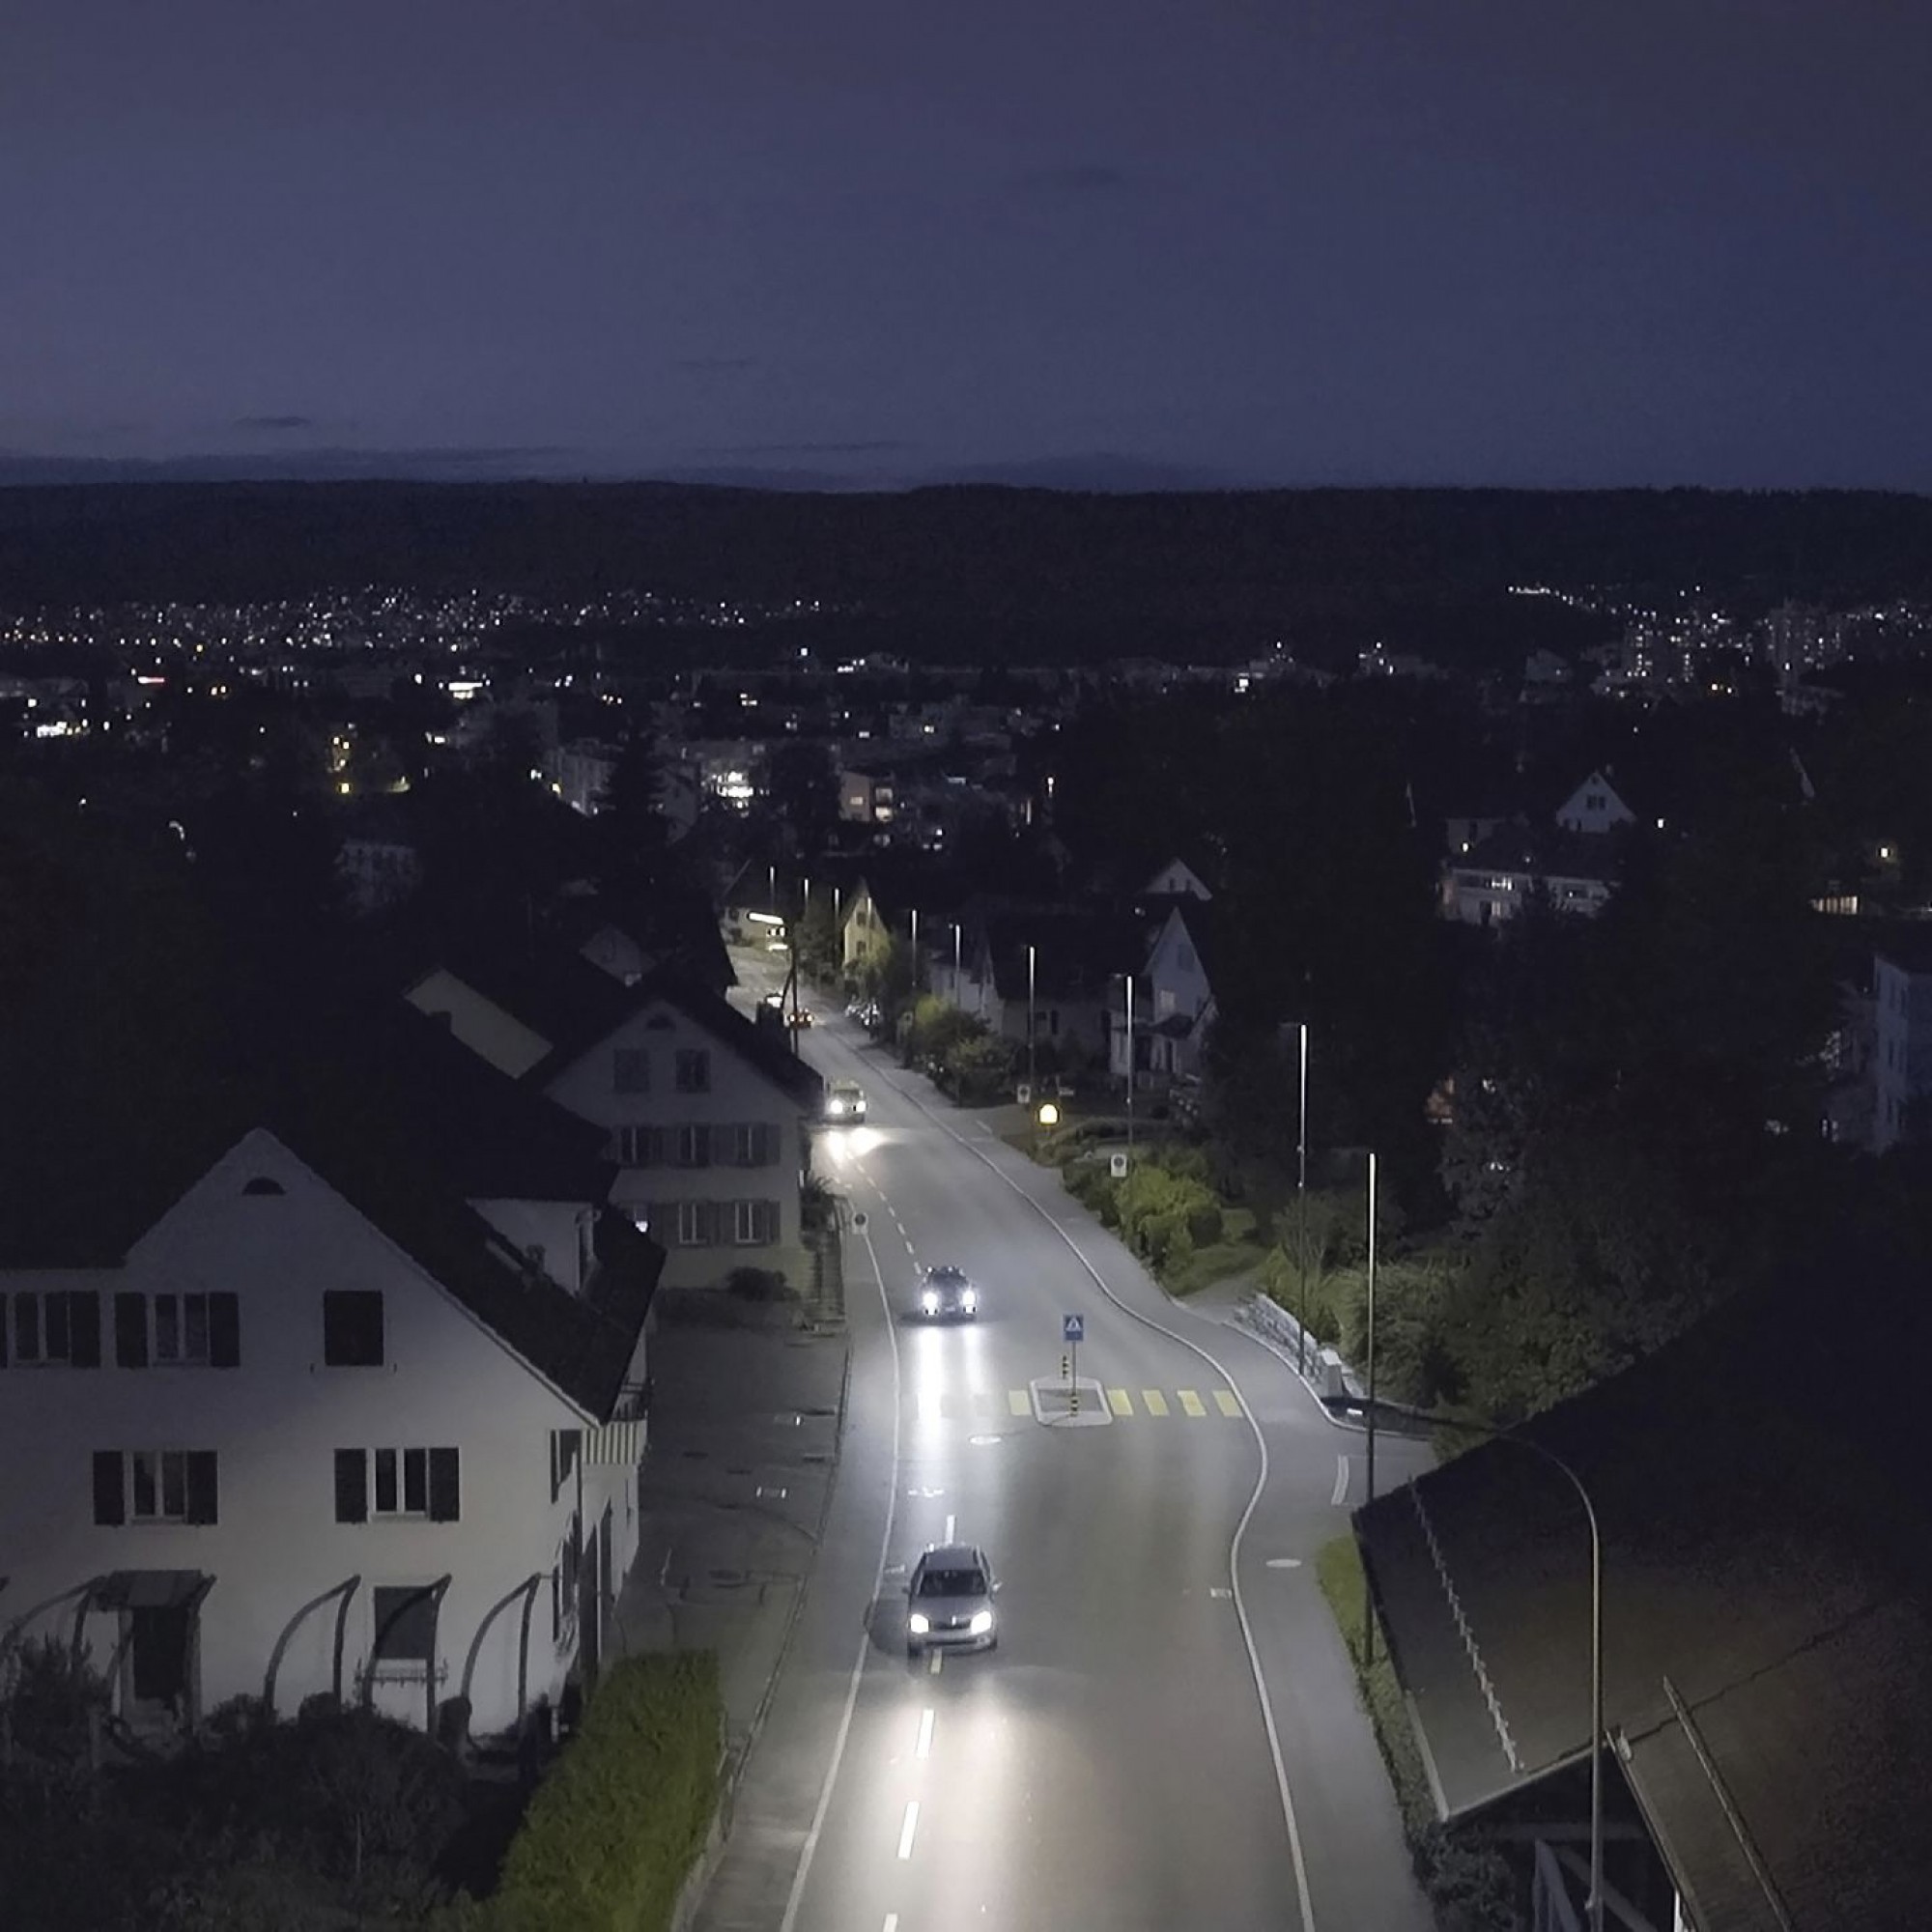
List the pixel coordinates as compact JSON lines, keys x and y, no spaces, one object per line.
{"x":950,"y":1600}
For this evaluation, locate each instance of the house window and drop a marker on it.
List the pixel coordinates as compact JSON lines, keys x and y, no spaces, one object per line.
{"x":640,"y":1146}
{"x":351,"y":1328}
{"x":693,"y":1069}
{"x":156,"y":1485}
{"x":754,"y":1224}
{"x":630,"y":1071}
{"x":693,"y":1224}
{"x":564,"y":1584}
{"x":754,"y":1144}
{"x":62,"y":1325}
{"x":405,"y":1635}
{"x":180,"y":1329}
{"x":1593,"y":801}
{"x":693,"y":1146}
{"x":422,"y":1483}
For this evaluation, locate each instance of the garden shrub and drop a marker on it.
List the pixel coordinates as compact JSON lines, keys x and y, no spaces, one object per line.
{"x":1205,"y":1222}
{"x":623,"y":1816}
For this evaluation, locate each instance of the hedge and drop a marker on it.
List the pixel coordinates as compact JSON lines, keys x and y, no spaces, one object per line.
{"x":623,"y":1815}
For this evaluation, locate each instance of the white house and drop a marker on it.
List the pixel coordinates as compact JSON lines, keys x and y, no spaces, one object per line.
{"x":1594,"y":808}
{"x":326,"y":1426}
{"x":705,"y":1112}
{"x":1492,"y":883}
{"x":1902,"y":1061}
{"x":1174,"y":1003}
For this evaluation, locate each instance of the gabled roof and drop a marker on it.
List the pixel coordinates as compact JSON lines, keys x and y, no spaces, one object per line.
{"x":763,"y":1048}
{"x":1767,"y":1539}
{"x":1206,"y":927}
{"x":408,"y":1128}
{"x":1543,"y":852}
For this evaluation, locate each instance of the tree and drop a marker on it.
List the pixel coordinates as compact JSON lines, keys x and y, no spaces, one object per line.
{"x":634,"y":832}
{"x":802,"y":788}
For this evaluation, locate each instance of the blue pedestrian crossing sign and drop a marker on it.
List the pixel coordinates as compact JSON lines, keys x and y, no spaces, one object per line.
{"x":1073,"y":1327}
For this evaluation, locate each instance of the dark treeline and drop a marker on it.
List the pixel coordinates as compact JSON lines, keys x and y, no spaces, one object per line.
{"x":987,"y":574}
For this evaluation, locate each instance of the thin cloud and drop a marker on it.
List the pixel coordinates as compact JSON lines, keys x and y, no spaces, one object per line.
{"x":274,"y":422}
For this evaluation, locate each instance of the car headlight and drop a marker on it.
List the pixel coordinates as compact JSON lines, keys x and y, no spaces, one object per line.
{"x":836,"y":1107}
{"x":983,"y":1621}
{"x":970,"y":1299}
{"x":929,"y":1302}
{"x":919,"y":1623}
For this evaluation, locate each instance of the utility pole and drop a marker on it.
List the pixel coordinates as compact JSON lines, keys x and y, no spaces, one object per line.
{"x":1130,"y":1065}
{"x":915,"y":951}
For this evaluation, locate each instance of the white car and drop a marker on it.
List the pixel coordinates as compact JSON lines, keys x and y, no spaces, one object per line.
{"x":845,"y":1102}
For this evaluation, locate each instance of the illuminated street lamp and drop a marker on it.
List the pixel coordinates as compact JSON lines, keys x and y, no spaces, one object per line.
{"x":1030,"y":1015}
{"x":1046,"y":1115}
{"x":958,"y":1000}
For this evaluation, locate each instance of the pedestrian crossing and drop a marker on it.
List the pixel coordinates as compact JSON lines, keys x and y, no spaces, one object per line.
{"x":988,"y":1405}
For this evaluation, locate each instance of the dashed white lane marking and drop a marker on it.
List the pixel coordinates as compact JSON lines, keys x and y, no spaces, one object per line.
{"x":891,"y":1923}
{"x":948,"y":1530}
{"x":924,"y":1747}
{"x":1341,"y":1480}
{"x":932,"y":1664}
{"x":910,"y":1826}
{"x":1284,"y":1563}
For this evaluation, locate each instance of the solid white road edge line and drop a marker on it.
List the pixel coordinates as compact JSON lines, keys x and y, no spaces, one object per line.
{"x":1289,"y":1819}
{"x":796,"y":1897}
{"x":910,"y":1826}
{"x":1341,"y":1481}
{"x":948,"y":1530}
{"x":924,"y":1747}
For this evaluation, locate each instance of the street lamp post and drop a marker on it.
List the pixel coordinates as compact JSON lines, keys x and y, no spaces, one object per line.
{"x":772,"y":887}
{"x":915,"y":950}
{"x":1368,"y":1608}
{"x":1130,"y":1065}
{"x":1301,"y":1211}
{"x":1030,"y":1019}
{"x":958,"y":1000}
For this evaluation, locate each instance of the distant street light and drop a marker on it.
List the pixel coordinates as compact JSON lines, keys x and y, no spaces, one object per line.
{"x":1301,"y":1212}
{"x":1029,"y":1016}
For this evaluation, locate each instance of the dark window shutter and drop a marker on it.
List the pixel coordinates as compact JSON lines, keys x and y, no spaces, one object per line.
{"x":203,"y":1500}
{"x":225,"y":1331}
{"x":110,"y":1492}
{"x":445,"y":1496}
{"x":351,"y":1485}
{"x":768,"y":1148}
{"x":84,"y":1328}
{"x":6,"y":1319}
{"x":768,"y":1221}
{"x":130,"y":1331}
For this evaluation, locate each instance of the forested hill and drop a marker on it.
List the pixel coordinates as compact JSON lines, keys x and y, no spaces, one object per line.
{"x":987,"y":572}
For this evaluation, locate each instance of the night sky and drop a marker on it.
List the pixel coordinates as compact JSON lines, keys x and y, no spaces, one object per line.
{"x":1135,"y":242}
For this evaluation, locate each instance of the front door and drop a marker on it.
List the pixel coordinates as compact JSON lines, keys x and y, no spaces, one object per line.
{"x":158,"y":1643}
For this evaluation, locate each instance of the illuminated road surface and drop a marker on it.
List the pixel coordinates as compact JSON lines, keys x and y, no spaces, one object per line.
{"x":1110,"y":1764}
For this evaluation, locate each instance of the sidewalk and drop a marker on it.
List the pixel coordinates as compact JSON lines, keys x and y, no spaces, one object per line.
{"x":745,"y":1429}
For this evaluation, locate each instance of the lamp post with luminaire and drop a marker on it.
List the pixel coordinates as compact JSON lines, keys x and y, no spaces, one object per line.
{"x":1031,"y":1074}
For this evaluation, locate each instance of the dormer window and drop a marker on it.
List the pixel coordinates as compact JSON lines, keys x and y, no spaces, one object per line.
{"x":693,"y":1069}
{"x":353,"y":1328}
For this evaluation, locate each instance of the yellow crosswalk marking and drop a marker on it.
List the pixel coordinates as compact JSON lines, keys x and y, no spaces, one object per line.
{"x":1228,"y":1404}
{"x":1191,"y":1402}
{"x":1118,"y":1402}
{"x":1157,"y":1403}
{"x":1019,"y":1402}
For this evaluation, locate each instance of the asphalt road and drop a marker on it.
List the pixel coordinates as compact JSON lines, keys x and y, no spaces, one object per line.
{"x":1166,"y":1736}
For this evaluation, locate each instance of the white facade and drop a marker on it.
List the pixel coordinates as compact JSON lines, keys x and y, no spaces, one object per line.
{"x":713,"y":1150}
{"x":446,"y":1440}
{"x":1902,"y":1064}
{"x":1594,"y":807}
{"x":1178,"y":1009}
{"x":1177,"y":879}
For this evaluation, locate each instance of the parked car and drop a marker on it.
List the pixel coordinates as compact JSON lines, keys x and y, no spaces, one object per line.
{"x":950,"y":1600}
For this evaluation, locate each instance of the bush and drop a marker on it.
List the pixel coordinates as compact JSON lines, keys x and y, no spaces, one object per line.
{"x":1094,"y":1188}
{"x":1205,"y":1223}
{"x":756,"y":1283}
{"x":618,"y":1825}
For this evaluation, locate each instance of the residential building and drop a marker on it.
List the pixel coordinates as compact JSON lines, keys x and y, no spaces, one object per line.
{"x":1902,"y":1058}
{"x":355,"y":1410}
{"x":705,"y":1112}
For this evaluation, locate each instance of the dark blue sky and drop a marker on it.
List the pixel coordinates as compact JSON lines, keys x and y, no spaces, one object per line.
{"x":1449,"y":241}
